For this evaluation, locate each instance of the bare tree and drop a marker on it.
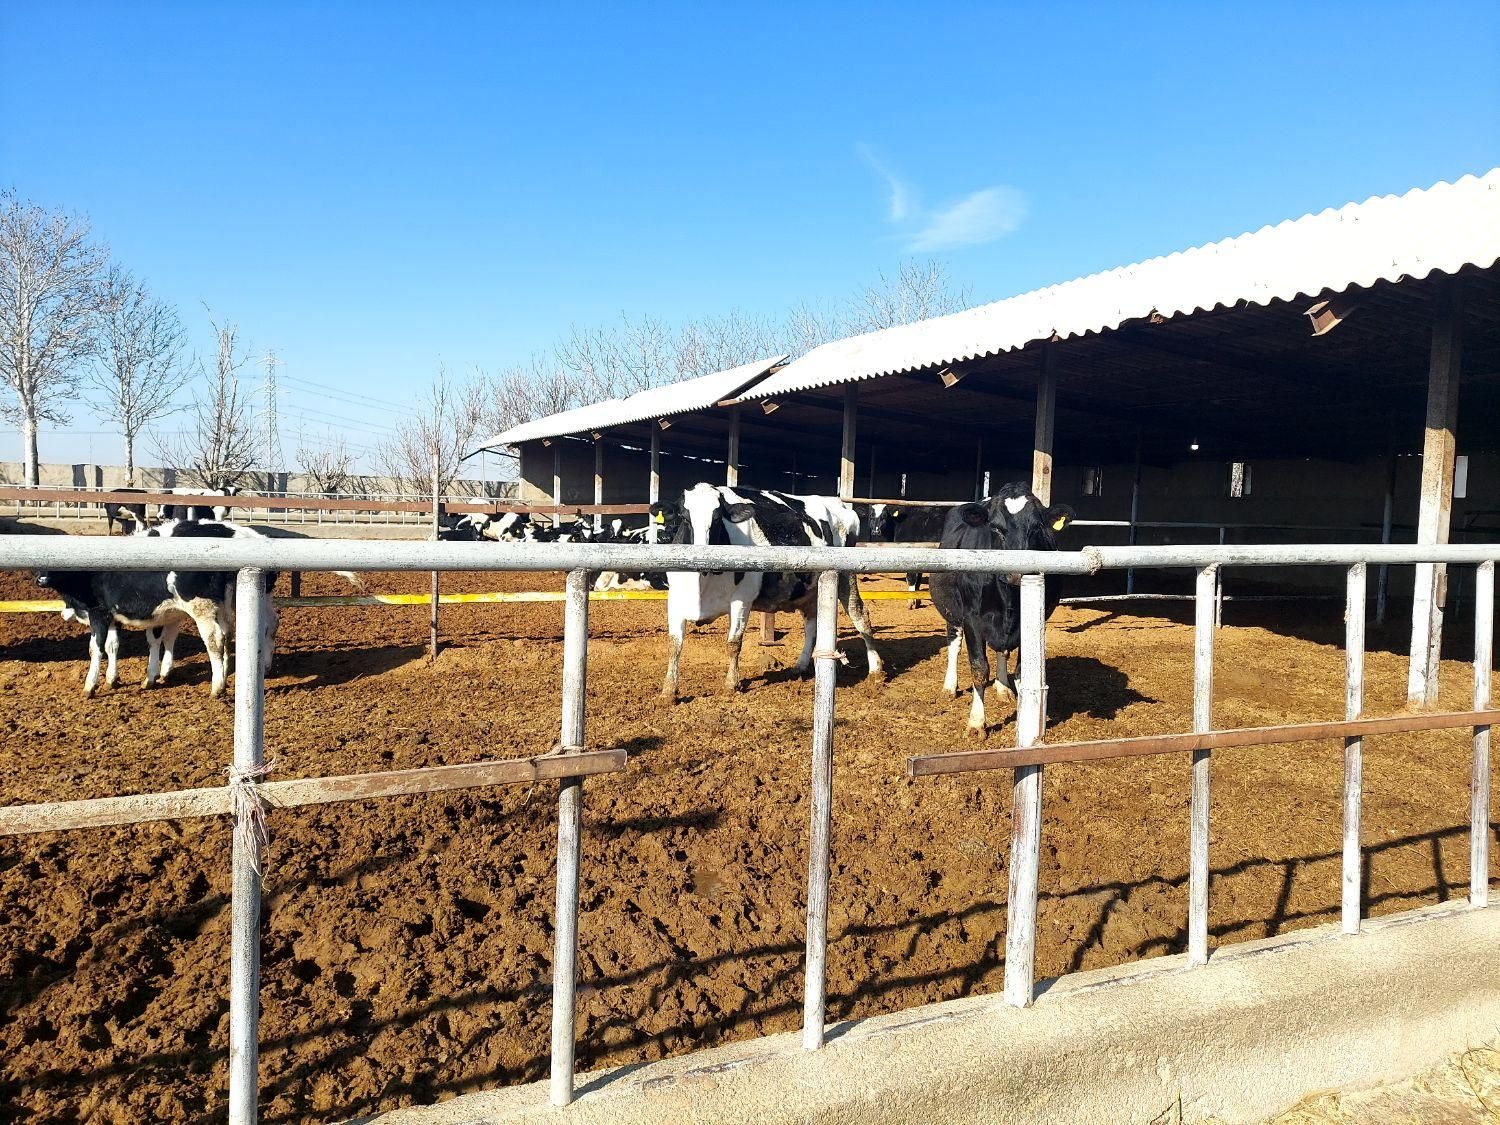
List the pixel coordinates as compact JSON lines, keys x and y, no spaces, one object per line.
{"x":426,"y":450}
{"x":621,"y":359}
{"x":49,"y":273}
{"x":325,"y":462}
{"x":919,"y":290}
{"x":138,"y":365}
{"x":718,"y":343}
{"x":220,"y":446}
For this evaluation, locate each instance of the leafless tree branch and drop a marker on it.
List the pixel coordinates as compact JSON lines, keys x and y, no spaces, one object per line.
{"x":49,"y":295}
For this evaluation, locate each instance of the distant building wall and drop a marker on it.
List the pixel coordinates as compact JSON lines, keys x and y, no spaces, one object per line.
{"x":113,"y":476}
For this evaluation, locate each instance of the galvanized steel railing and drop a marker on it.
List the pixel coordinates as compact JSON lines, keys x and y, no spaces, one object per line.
{"x":248,"y":795}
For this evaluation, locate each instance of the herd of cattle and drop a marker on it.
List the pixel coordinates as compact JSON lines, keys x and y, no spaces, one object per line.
{"x":981,"y":610}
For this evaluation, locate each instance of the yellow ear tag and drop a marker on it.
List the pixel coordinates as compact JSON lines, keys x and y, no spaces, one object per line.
{"x":660,"y":518}
{"x":1059,"y":523}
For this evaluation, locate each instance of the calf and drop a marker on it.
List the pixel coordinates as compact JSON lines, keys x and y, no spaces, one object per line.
{"x":983,"y":610}
{"x":148,"y":600}
{"x":715,"y":514}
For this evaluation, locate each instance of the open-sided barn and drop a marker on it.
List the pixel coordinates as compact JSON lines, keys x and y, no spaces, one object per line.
{"x":1333,"y":377}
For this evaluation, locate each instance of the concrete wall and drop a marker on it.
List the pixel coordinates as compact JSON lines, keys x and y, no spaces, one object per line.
{"x":113,"y":476}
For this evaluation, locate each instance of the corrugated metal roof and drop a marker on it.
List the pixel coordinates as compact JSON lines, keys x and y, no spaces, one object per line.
{"x":658,"y":402}
{"x":1442,"y":228}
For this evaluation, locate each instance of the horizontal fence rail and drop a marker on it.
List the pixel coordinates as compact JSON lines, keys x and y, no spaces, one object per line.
{"x":248,"y":794}
{"x":63,"y":552}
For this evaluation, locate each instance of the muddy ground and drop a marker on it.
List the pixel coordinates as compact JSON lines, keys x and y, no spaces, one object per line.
{"x":407,"y":941}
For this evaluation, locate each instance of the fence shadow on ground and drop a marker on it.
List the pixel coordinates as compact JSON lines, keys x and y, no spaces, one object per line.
{"x":775,"y":1005}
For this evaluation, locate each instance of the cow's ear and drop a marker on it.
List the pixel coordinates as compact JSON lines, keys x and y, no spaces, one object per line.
{"x":737,"y":513}
{"x":975,"y":515}
{"x":1059,"y":516}
{"x":659,"y":513}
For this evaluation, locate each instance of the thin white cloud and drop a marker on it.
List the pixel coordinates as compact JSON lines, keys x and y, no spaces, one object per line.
{"x":984,"y":216}
{"x":900,"y":205}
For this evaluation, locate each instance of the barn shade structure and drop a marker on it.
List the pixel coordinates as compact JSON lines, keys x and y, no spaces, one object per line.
{"x":1335,"y":372}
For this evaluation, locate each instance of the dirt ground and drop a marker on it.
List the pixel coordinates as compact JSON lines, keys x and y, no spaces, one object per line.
{"x":407,"y":942}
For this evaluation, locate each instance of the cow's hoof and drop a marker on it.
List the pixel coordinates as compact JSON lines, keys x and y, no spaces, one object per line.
{"x":975,"y":732}
{"x":734,"y":685}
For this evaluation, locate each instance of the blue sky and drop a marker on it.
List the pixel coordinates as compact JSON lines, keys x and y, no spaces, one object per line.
{"x":371,"y":189}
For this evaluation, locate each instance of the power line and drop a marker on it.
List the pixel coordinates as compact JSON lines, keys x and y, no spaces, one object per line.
{"x":330,"y":390}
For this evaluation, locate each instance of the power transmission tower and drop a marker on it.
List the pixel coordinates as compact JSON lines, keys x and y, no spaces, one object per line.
{"x":272,"y":428}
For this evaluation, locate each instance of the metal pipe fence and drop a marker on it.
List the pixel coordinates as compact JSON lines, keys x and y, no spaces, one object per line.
{"x":248,"y":796}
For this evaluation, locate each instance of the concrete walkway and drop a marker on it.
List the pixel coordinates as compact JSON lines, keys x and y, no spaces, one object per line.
{"x":1262,"y":1027}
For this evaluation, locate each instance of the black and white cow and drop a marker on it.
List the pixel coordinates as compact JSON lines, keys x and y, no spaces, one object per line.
{"x":158,"y":602}
{"x":115,"y":513}
{"x":718,"y":514}
{"x":198,"y":512}
{"x":983,"y":610}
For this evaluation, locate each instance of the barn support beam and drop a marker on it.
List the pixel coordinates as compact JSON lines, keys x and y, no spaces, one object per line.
{"x":846,"y":454}
{"x":978,"y":469}
{"x":1135,"y":507}
{"x":1436,"y":506}
{"x":598,"y":481}
{"x":556,"y":482}
{"x":1046,"y":418}
{"x":732,"y":454}
{"x":653,"y":492}
{"x":1382,"y":582}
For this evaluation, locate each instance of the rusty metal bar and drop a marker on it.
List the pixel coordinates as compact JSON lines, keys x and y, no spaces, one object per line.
{"x":971,"y":761}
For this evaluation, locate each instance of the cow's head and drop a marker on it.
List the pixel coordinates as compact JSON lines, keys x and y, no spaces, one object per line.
{"x":703,"y":516}
{"x":880,"y":521}
{"x":1022,"y":522}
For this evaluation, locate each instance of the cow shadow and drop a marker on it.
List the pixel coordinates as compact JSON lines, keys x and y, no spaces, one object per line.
{"x":1082,"y":685}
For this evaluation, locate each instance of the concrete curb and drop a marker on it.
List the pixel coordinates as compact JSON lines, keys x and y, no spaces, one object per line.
{"x":1262,"y":1026}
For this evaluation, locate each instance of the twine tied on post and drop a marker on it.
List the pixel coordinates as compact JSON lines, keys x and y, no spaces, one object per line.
{"x":830,"y":654}
{"x":249,"y":811}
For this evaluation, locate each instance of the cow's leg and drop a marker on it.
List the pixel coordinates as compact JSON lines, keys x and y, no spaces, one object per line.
{"x":1005,"y":688}
{"x":153,"y":657}
{"x":98,"y":633}
{"x":950,"y":678}
{"x":112,"y":656}
{"x":169,"y":634}
{"x":739,"y":619}
{"x":676,"y":630}
{"x":854,"y":606}
{"x":269,"y":620}
{"x":979,"y":667}
{"x":213,"y":627}
{"x":809,"y":638}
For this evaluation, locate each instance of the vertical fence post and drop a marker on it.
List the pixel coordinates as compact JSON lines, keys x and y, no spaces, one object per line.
{"x":244,"y":909}
{"x":1203,"y":701}
{"x":1479,"y":786}
{"x":819,"y":844}
{"x":437,"y":523}
{"x":569,"y":830}
{"x":1354,"y":696}
{"x":1026,"y":799}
